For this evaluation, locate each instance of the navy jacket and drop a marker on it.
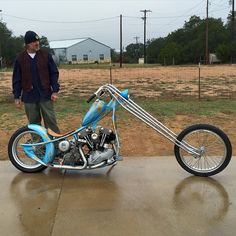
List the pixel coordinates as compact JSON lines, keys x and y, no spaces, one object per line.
{"x":38,"y":93}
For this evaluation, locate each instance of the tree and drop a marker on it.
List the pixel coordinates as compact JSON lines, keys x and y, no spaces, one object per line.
{"x":114,"y":56}
{"x":9,"y":45}
{"x":193,"y":23}
{"x":170,"y":54}
{"x":134,"y":52}
{"x":223,"y":52}
{"x":44,"y":43}
{"x":187,"y":44}
{"x":154,"y":47}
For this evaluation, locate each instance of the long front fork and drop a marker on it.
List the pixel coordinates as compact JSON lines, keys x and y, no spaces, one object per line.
{"x":144,"y":116}
{"x":116,"y":145}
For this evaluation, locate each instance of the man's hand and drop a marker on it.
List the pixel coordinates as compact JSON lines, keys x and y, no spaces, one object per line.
{"x":18,"y":103}
{"x":54,"y":97}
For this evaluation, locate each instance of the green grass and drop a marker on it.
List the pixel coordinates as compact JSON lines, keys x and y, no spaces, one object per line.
{"x":6,"y":69}
{"x":74,"y":106}
{"x":67,"y":106}
{"x":202,"y":108}
{"x":11,"y":117}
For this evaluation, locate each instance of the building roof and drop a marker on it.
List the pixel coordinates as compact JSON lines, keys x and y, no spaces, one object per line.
{"x":65,"y":43}
{"x":69,"y":42}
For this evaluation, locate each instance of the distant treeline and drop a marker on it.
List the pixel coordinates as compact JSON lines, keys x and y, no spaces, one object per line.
{"x":183,"y":46}
{"x":187,"y":44}
{"x":11,"y":45}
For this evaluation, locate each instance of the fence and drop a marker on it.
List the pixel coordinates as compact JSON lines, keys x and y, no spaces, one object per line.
{"x":162,"y":82}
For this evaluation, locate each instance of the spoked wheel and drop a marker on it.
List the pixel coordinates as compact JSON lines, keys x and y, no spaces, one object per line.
{"x":17,"y":155}
{"x":212,"y":144}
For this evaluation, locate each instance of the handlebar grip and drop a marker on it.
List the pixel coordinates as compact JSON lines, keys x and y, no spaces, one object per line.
{"x":91,"y":98}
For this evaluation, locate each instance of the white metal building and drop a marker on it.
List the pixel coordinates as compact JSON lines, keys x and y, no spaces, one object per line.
{"x":83,"y":50}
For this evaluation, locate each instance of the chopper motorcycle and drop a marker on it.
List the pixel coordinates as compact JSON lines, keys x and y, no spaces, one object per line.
{"x":200,"y":149}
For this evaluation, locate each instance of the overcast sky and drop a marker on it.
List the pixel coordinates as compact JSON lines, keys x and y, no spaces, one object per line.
{"x":99,"y":19}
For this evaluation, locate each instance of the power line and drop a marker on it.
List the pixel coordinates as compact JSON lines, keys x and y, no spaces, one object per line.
{"x":108,"y":18}
{"x":61,"y":22}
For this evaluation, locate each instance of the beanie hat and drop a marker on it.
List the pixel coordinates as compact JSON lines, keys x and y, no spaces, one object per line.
{"x":31,"y":36}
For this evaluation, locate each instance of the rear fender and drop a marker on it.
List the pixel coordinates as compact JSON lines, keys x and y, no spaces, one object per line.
{"x":50,"y":149}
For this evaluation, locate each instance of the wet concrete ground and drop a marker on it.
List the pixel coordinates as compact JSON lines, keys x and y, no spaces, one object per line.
{"x":139,"y":196}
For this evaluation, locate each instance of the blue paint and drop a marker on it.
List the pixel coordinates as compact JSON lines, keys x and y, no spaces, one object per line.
{"x":50,"y":150}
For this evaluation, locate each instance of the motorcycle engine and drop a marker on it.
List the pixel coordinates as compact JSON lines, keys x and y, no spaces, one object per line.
{"x":99,"y":143}
{"x":97,"y":146}
{"x":70,"y":153}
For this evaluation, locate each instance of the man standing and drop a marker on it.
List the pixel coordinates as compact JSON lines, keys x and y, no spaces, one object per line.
{"x":35,"y":82}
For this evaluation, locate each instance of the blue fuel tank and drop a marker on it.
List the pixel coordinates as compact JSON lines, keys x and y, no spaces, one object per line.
{"x":94,"y":112}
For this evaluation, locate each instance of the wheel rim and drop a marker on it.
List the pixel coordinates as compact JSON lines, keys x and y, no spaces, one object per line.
{"x":18,"y":153}
{"x":212,"y":151}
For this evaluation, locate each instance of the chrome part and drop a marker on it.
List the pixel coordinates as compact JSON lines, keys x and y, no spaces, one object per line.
{"x":73,"y":167}
{"x":95,"y":137}
{"x":98,"y":165}
{"x":20,"y":156}
{"x":212,"y":151}
{"x":97,"y":156}
{"x":88,"y":141}
{"x":64,"y":146}
{"x":103,"y":139}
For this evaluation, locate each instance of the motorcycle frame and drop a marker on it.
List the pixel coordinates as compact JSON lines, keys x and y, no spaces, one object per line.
{"x":117,"y":98}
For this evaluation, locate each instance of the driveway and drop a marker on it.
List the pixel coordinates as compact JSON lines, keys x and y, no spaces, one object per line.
{"x":139,"y":196}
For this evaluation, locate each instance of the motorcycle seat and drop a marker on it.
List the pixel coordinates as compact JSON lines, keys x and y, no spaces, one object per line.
{"x":52,"y":133}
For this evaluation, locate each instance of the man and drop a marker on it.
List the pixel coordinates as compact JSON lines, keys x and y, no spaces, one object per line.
{"x":35,"y":82}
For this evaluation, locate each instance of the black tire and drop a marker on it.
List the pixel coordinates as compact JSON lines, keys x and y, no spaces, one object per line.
{"x":16,"y":154}
{"x":216,"y":146}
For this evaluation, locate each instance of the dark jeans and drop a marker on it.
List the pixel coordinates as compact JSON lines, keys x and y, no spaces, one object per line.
{"x":35,"y":112}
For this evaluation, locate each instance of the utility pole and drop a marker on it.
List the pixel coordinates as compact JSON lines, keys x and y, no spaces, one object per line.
{"x":0,"y":43}
{"x":144,"y":38}
{"x":136,"y":39}
{"x":233,"y":20}
{"x":232,"y":29}
{"x":207,"y":50}
{"x":232,"y":10}
{"x":121,"y":46}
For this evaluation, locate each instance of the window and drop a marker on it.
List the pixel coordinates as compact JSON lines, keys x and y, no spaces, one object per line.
{"x":85,"y":57}
{"x":101,"y":57}
{"x":74,"y":58}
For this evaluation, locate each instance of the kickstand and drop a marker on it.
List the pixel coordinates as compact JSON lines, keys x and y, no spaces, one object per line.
{"x":111,"y":168}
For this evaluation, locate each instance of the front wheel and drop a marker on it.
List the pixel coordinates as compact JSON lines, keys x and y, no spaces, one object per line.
{"x":17,"y":155}
{"x":213,"y":145}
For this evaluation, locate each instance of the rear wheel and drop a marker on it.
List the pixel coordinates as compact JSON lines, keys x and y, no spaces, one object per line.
{"x":211,"y":142}
{"x":17,"y":155}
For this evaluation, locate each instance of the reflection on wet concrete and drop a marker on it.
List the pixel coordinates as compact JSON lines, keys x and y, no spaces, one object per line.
{"x":142,"y":196}
{"x":201,"y":197}
{"x":200,"y":203}
{"x":36,"y":197}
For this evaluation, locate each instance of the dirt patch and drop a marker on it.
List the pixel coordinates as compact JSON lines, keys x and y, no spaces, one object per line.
{"x":137,"y":139}
{"x":166,"y":82}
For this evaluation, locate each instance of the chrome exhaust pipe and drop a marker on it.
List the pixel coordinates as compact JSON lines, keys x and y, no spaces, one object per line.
{"x":68,"y":167}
